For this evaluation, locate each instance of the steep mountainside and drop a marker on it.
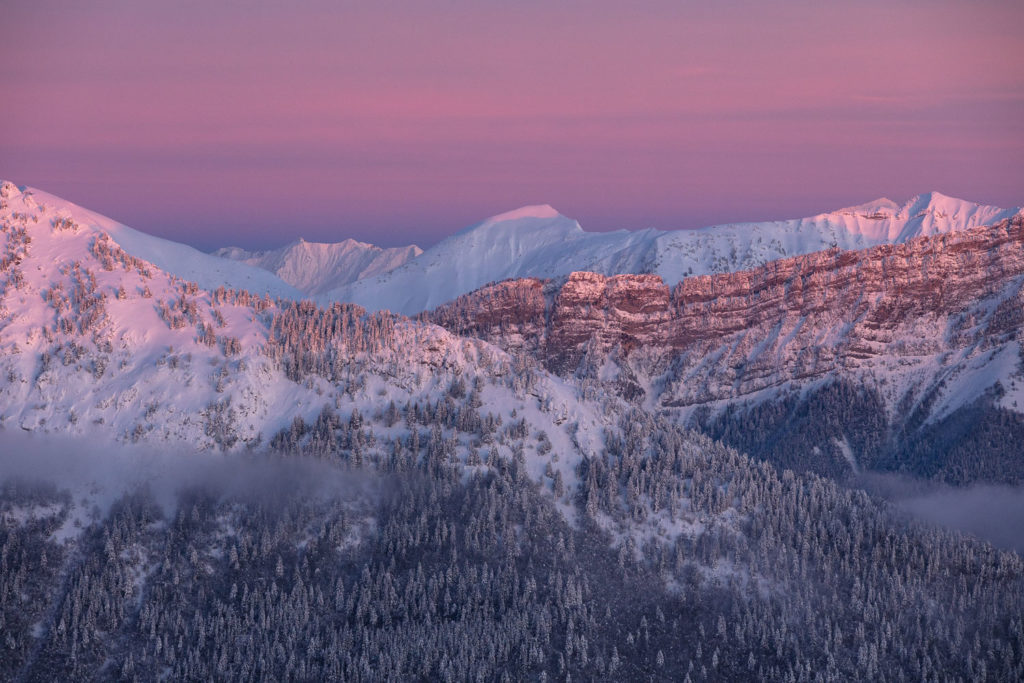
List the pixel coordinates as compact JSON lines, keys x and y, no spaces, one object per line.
{"x":177,"y":259}
{"x":534,"y":241}
{"x":315,"y":267}
{"x":97,"y":342}
{"x":539,"y":242}
{"x":396,"y":494}
{"x":920,"y":330}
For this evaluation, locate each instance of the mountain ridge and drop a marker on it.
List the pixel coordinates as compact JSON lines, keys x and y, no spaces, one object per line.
{"x":531,"y":243}
{"x":926,"y":328}
{"x":317,"y":267}
{"x":98,"y":343}
{"x":173,"y":257}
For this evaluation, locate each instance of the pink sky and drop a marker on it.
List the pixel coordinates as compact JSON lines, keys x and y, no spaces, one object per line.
{"x":253,"y":123}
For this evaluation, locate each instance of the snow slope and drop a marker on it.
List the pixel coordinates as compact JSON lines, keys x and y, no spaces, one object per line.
{"x":742,"y":246}
{"x":95,"y":342}
{"x":317,"y":267}
{"x":98,"y":344}
{"x":537,"y":241}
{"x":534,"y":241}
{"x":174,"y":258}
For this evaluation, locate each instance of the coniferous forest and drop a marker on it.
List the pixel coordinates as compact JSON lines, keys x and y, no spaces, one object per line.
{"x":511,"y":341}
{"x":372,"y":557}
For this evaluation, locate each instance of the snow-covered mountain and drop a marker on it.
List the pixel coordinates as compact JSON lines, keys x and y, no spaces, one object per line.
{"x":537,"y":241}
{"x":512,"y":495}
{"x":534,"y":241}
{"x":923,"y":340}
{"x":317,"y":267}
{"x":96,"y":338}
{"x":98,"y":343}
{"x":171,"y":257}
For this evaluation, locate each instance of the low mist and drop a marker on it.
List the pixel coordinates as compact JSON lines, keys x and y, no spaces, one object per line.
{"x":103,"y":472}
{"x":993,"y":513}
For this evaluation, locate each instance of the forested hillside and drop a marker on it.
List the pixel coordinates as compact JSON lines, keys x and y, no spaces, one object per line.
{"x":677,"y":558}
{"x":360,"y":496}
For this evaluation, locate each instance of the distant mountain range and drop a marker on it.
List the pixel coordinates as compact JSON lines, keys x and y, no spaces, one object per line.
{"x":912,"y":309}
{"x":537,"y":241}
{"x":534,"y":241}
{"x":528,"y":451}
{"x":905,"y":357}
{"x":316,"y":268}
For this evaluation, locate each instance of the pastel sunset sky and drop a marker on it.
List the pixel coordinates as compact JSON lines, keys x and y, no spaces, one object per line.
{"x":253,"y":123}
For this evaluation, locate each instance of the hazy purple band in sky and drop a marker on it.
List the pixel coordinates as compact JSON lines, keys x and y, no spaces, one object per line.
{"x":255,"y":122}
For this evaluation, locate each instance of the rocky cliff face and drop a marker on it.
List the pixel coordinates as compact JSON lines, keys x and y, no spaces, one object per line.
{"x":938,"y":319}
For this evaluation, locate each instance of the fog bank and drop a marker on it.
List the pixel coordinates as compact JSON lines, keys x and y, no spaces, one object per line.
{"x":104,"y":471}
{"x":990,"y":512}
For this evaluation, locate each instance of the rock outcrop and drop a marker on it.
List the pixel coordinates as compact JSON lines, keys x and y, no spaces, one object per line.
{"x":901,"y":316}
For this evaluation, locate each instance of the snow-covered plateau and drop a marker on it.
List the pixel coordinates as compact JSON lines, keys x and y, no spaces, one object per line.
{"x":917,"y":334}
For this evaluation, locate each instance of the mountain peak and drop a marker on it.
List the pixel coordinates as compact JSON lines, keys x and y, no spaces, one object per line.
{"x":533,"y":215}
{"x":932,"y":203}
{"x":936,"y":202}
{"x":8,"y":189}
{"x":936,"y":196}
{"x":315,"y":267}
{"x":532,"y":211}
{"x":883,"y":206}
{"x":206,"y":270}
